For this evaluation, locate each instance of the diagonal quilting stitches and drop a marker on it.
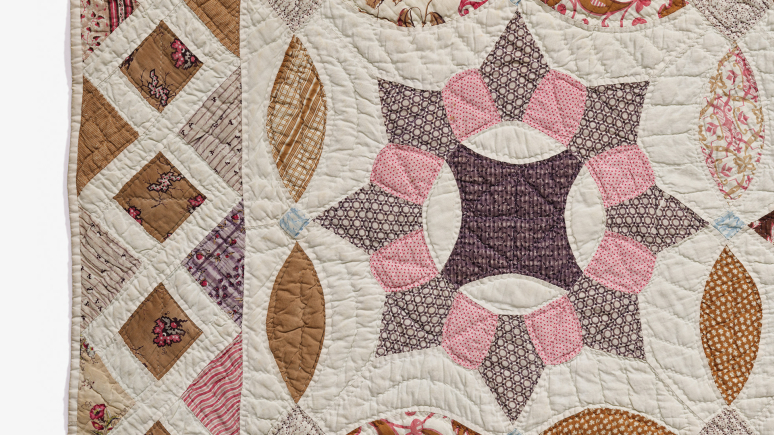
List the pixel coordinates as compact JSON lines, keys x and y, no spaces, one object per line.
{"x":159,"y":332}
{"x":222,"y":18}
{"x":214,"y":396}
{"x":513,"y":69}
{"x":413,"y":319}
{"x":215,"y":131}
{"x":371,"y":218}
{"x":103,"y":135}
{"x":159,"y":198}
{"x":513,"y":219}
{"x":730,"y":324}
{"x":295,"y":13}
{"x":655,"y":219}
{"x":610,"y":319}
{"x":106,"y":266}
{"x":296,"y":119}
{"x":160,"y":67}
{"x":512,"y":367}
{"x":611,"y":118}
{"x":217,"y":263}
{"x":416,"y":117}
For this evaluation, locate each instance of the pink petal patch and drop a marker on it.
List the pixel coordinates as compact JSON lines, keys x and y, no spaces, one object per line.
{"x":621,"y":263}
{"x":621,"y":173}
{"x":556,"y":106}
{"x":555,"y":331}
{"x":468,"y":332}
{"x":468,"y":104}
{"x":404,"y":263}
{"x":406,"y":172}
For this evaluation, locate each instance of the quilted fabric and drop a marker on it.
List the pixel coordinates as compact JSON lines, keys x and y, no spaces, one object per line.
{"x":414,"y":217}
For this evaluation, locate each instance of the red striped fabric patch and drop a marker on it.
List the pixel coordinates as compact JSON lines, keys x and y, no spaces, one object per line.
{"x":214,"y":396}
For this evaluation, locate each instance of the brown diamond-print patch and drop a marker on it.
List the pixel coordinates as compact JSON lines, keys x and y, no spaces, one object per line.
{"x":159,"y":332}
{"x":161,"y":66}
{"x":157,"y":429}
{"x":159,"y":198}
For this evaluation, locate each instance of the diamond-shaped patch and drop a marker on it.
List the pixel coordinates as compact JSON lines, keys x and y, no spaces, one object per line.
{"x":159,"y":332}
{"x":161,"y":66}
{"x":728,"y":224}
{"x":159,"y":198}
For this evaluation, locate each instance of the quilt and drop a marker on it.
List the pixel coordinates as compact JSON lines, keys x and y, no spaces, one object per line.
{"x":422,"y":217}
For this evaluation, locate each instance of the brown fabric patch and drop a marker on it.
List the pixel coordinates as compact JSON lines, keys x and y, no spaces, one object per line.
{"x":730,"y":324}
{"x":103,"y":135}
{"x":159,"y":198}
{"x":222,"y":18}
{"x":606,"y":421}
{"x":461,"y":429}
{"x":295,"y":119}
{"x":106,"y":266}
{"x":160,"y":66}
{"x":159,"y":332}
{"x":157,"y":429}
{"x":295,"y":322}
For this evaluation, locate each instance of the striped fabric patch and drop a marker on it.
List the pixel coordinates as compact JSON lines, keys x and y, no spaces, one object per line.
{"x":215,"y":131}
{"x":214,"y":396}
{"x":296,"y":119}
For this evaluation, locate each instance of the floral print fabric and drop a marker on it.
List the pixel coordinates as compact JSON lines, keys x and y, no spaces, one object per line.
{"x":731,"y":127}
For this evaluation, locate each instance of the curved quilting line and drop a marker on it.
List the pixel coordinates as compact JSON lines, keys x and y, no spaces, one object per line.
{"x":485,"y":326}
{"x":557,"y":147}
{"x":577,"y":22}
{"x":571,"y":236}
{"x":516,"y":311}
{"x":425,"y":205}
{"x":625,"y":421}
{"x":398,"y":76}
{"x":387,"y":415}
{"x":374,"y":21}
{"x":598,"y":28}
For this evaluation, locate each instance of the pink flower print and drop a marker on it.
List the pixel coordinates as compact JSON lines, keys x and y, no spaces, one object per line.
{"x":561,"y":8}
{"x":182,"y":56}
{"x":134,"y":212}
{"x":640,"y":4}
{"x":639,"y":20}
{"x":195,"y":202}
{"x":168,"y":331}
{"x":97,"y":412}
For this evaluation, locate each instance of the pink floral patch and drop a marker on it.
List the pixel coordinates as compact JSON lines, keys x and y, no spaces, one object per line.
{"x":621,"y":173}
{"x":468,"y":332}
{"x":404,"y":263}
{"x":556,"y":106}
{"x":555,"y":331}
{"x":469,"y":105}
{"x":621,"y":263}
{"x":406,"y":172}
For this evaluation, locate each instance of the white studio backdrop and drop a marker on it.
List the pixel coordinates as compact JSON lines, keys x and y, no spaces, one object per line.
{"x":34,"y":246}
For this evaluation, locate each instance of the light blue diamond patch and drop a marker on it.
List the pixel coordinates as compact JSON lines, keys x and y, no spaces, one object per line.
{"x":728,"y":224}
{"x":293,"y":222}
